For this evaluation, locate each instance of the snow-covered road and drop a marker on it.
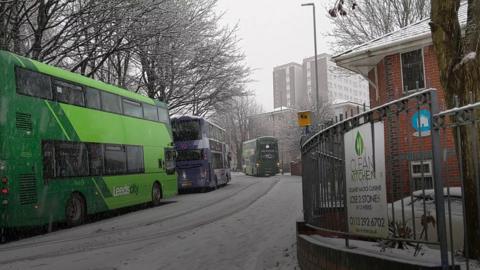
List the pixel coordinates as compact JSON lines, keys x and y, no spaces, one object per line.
{"x":249,"y":224}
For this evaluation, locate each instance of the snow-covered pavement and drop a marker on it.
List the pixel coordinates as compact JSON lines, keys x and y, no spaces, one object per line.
{"x":249,"y":224}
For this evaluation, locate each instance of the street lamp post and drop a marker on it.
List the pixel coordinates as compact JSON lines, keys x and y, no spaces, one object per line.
{"x":317,"y":105}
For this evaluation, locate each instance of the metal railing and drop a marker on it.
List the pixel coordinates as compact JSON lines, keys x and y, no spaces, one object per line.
{"x":424,"y":175}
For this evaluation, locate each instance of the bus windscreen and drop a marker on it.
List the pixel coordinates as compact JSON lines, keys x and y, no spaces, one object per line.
{"x":186,"y":130}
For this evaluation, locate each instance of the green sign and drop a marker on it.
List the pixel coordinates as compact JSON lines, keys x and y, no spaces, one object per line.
{"x":359,"y":144}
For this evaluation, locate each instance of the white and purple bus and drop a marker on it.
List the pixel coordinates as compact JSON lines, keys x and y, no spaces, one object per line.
{"x":203,"y":161}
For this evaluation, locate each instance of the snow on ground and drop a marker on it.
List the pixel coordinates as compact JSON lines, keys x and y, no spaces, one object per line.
{"x":426,"y":256}
{"x":249,"y":224}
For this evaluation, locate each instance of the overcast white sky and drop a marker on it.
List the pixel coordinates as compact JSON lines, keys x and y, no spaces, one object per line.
{"x":272,"y":33}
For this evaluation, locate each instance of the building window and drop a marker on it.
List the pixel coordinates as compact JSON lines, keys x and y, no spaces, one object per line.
{"x":422,"y":174}
{"x":412,"y":70}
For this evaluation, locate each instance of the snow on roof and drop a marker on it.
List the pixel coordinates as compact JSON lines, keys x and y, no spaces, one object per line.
{"x":337,"y":101}
{"x":430,"y":193}
{"x":191,"y":116}
{"x":418,"y":30}
{"x":282,"y":108}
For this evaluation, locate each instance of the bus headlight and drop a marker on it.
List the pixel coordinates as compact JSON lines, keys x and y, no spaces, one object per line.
{"x":278,"y":164}
{"x":258,"y":164}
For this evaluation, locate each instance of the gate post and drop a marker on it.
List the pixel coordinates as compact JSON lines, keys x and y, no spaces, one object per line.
{"x":438,"y":187}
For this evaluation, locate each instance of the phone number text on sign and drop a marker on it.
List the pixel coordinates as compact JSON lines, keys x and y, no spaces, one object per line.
{"x":367,"y":222}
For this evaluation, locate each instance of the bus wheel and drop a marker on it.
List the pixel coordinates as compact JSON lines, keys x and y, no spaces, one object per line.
{"x":216,"y":183}
{"x":75,"y":210}
{"x":229,"y":178}
{"x":3,"y":236}
{"x":156,"y":194}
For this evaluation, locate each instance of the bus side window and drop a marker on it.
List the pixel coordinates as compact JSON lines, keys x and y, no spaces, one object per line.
{"x":111,"y":103}
{"x":33,"y":84}
{"x":95,"y":153}
{"x":150,"y":112}
{"x":71,"y":159}
{"x":163,"y":115}
{"x":170,"y":164}
{"x":48,"y":148}
{"x":92,"y":97}
{"x":68,"y":93}
{"x":135,"y":162}
{"x":132,"y":108}
{"x":115,"y":159}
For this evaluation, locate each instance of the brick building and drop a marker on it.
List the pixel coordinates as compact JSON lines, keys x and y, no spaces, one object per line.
{"x":396,"y":65}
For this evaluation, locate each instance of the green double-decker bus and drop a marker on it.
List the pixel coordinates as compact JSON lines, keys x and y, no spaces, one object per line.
{"x":72,"y":146}
{"x":260,"y":156}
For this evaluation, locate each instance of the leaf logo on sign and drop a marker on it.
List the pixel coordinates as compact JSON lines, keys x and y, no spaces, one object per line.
{"x":359,"y":144}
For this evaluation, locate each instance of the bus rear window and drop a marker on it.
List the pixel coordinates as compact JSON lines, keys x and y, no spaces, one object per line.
{"x":188,"y":155}
{"x":33,"y":84}
{"x":186,"y":130}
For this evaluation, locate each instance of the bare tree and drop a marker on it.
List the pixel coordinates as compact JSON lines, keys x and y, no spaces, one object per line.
{"x":194,"y":64}
{"x":233,"y":115}
{"x":458,"y":59}
{"x":171,"y":50}
{"x":369,"y":19}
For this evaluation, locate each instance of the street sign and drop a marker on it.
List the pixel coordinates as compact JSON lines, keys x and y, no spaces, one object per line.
{"x":304,"y":118}
{"x":421,"y":123}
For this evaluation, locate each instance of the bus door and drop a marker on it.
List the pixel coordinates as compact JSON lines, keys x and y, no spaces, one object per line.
{"x":170,"y":164}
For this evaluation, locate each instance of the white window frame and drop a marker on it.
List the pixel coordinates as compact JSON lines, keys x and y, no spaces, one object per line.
{"x":419,"y":163}
{"x":424,"y":73}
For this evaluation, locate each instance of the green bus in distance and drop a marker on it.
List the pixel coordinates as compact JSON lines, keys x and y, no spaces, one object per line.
{"x":71,"y":146}
{"x":260,"y":156}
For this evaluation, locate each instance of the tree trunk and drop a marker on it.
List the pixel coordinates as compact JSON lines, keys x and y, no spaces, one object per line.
{"x":457,"y":58}
{"x":42,"y":20}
